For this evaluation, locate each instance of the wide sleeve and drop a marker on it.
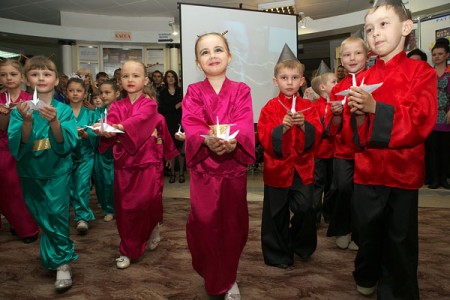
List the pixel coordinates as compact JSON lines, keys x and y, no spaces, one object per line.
{"x":169,"y":149}
{"x":194,"y":125}
{"x":15,"y":145}
{"x":309,"y":139}
{"x":138,"y":127}
{"x":243,"y":118}
{"x":92,"y":137}
{"x":68,"y":129}
{"x":114,"y":117}
{"x":270,"y":132}
{"x":408,"y":123}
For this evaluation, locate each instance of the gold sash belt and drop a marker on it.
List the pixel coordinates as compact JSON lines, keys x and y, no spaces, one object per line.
{"x":41,"y":145}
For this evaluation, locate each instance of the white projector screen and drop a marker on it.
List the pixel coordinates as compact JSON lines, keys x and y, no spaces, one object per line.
{"x":255,"y":38}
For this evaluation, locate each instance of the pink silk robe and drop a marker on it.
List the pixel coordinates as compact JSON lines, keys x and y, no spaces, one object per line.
{"x":12,"y":204}
{"x":217,"y":227}
{"x":138,"y":167}
{"x":391,"y":141}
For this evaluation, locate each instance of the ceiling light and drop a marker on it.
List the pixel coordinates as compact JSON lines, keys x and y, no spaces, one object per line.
{"x":7,"y":54}
{"x":174,"y":28}
{"x":282,"y":7}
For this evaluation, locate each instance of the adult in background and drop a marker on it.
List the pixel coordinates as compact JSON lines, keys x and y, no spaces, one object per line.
{"x":169,"y":106}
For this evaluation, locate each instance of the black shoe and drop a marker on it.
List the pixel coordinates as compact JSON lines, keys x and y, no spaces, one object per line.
{"x":304,"y":257}
{"x":30,"y":239}
{"x":433,"y":186}
{"x":445,"y":185}
{"x":281,"y":266}
{"x":172,"y":179}
{"x":13,"y":231}
{"x":181,"y":179}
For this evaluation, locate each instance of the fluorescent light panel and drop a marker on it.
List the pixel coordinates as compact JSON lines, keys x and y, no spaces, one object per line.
{"x":6,"y":54}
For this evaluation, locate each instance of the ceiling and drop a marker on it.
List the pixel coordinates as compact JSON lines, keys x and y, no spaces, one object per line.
{"x":47,"y":11}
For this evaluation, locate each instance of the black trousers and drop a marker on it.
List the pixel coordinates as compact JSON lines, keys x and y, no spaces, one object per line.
{"x":341,"y":211}
{"x":437,"y":153}
{"x":387,"y":223}
{"x":323,"y":193}
{"x":288,"y":223}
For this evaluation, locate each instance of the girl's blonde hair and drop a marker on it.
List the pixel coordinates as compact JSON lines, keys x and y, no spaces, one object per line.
{"x":40,"y":62}
{"x":84,"y":72}
{"x":149,"y":90}
{"x":13,"y":63}
{"x":221,"y":35}
{"x":138,"y":62}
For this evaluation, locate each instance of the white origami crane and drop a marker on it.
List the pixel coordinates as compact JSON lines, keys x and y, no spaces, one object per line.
{"x":35,"y":103}
{"x":368,"y":88}
{"x":179,"y":133}
{"x":8,"y":100}
{"x":225,"y":135}
{"x":290,"y":110}
{"x":104,"y":126}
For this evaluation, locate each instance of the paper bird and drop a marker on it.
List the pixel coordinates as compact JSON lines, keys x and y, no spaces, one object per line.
{"x":103,"y":127}
{"x":35,"y":103}
{"x":368,"y":88}
{"x":8,"y":100}
{"x":225,"y":135}
{"x":179,"y":133}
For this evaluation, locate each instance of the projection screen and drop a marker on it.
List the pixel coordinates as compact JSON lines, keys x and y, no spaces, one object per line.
{"x":256,"y":39}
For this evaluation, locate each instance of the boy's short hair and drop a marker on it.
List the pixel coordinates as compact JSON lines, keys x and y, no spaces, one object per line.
{"x":101,"y":74}
{"x":319,"y":80}
{"x":316,"y":82}
{"x":401,"y":11}
{"x":353,"y":39}
{"x":40,"y":62}
{"x":289,"y":64}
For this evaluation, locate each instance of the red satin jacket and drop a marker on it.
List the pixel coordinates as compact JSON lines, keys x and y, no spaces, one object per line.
{"x":391,"y":141}
{"x":294,"y":150}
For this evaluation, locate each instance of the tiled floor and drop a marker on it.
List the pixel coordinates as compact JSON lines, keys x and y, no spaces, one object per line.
{"x":255,"y":191}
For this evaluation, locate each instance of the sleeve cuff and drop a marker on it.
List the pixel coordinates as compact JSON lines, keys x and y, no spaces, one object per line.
{"x":382,"y":125}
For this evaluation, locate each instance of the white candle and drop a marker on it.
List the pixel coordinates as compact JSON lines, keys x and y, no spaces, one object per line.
{"x":294,"y":102}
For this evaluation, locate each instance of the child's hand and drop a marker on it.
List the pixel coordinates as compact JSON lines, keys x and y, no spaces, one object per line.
{"x":119,"y":126}
{"x":89,"y":105}
{"x":298,"y":119}
{"x":24,"y":111}
{"x":169,"y":163}
{"x":4,"y":110}
{"x":97,"y":130}
{"x":180,"y":136}
{"x":82,"y":134}
{"x":360,"y":100}
{"x":287,"y":122}
{"x":336,"y":108}
{"x":214,"y":144}
{"x":49,"y":113}
{"x":447,"y":117}
{"x":230,"y":145}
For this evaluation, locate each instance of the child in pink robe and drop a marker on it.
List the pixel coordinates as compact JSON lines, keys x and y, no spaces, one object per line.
{"x":138,"y":162}
{"x":12,"y":205}
{"x":217,"y":227}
